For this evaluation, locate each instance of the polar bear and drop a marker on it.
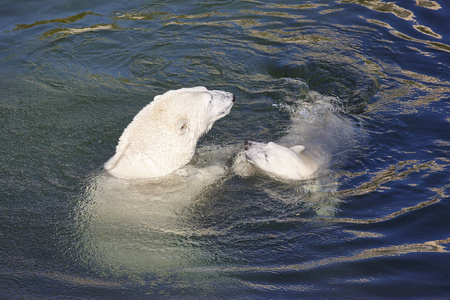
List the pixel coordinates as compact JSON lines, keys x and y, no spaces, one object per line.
{"x":319,"y":135}
{"x":133,"y":221}
{"x":163,"y":136}
{"x":292,"y":163}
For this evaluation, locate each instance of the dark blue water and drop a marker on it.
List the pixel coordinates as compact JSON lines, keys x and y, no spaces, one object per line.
{"x":74,"y":73}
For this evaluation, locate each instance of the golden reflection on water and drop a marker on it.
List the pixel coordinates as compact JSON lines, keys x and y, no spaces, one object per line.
{"x":364,"y":234}
{"x":62,"y":32}
{"x":167,"y":16}
{"x":407,"y":15}
{"x":384,"y":7}
{"x":329,"y":11}
{"x":428,"y":4}
{"x":392,"y":173}
{"x":436,"y":246}
{"x":269,"y":14}
{"x":434,"y":45}
{"x":201,"y":20}
{"x":427,"y":30}
{"x":297,"y":6}
{"x":67,"y":20}
{"x":409,"y":83}
{"x":380,"y":23}
{"x":388,"y":217}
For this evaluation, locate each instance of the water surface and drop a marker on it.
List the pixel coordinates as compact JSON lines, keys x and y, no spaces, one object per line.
{"x":74,"y":73}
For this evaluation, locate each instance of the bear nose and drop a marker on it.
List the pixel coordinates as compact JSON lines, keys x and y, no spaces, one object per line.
{"x":247,"y":145}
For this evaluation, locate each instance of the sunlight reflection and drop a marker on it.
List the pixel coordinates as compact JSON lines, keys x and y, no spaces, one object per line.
{"x":67,"y":20}
{"x":364,"y":234}
{"x":62,"y":32}
{"x":428,"y":4}
{"x":384,"y":7}
{"x":436,"y":246}
{"x":388,"y":217}
{"x":394,"y":172}
{"x":407,"y":15}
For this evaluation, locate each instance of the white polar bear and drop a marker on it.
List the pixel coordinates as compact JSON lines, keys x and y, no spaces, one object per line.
{"x":317,"y":123}
{"x":286,"y":163}
{"x":136,"y":225}
{"x":319,"y":138}
{"x":163,"y":136}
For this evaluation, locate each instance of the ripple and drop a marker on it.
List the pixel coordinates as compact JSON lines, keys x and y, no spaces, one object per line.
{"x":431,"y":44}
{"x":433,"y":5}
{"x":62,"y":32}
{"x":384,"y":7}
{"x":67,"y":20}
{"x":407,"y":15}
{"x":84,"y":76}
{"x":434,"y":246}
{"x":393,"y":173}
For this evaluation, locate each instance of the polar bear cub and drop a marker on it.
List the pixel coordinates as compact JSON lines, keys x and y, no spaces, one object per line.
{"x":285,"y":163}
{"x":163,"y":136}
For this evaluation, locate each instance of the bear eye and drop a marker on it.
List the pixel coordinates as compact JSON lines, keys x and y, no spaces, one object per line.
{"x":266,"y":157}
{"x":182,"y":127}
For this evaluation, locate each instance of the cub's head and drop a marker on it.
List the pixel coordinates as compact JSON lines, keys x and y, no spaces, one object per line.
{"x":279,"y":161}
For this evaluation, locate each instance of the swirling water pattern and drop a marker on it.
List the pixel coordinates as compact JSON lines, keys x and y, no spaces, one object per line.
{"x":74,"y":73}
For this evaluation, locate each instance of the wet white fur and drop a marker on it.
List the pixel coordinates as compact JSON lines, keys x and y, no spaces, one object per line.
{"x":163,"y":136}
{"x":318,"y":135}
{"x":286,"y":163}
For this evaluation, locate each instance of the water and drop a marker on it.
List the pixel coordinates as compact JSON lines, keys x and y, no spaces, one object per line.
{"x":74,"y":73}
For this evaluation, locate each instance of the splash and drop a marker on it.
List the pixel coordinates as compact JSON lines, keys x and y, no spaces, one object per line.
{"x":320,"y":124}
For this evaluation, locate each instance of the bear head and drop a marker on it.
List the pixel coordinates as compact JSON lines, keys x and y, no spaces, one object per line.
{"x":163,"y":136}
{"x":279,"y":161}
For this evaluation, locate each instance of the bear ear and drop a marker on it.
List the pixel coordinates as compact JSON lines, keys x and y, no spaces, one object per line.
{"x":298,"y":149}
{"x":182,"y":126}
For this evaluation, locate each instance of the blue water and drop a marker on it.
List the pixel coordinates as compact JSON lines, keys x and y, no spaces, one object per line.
{"x":74,"y":73}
